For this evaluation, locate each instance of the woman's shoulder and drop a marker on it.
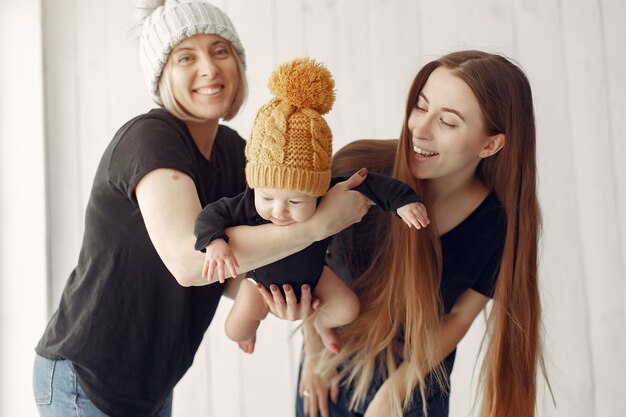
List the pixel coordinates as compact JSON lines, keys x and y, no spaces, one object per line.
{"x":156,"y":119}
{"x":150,"y":126}
{"x":490,"y":211}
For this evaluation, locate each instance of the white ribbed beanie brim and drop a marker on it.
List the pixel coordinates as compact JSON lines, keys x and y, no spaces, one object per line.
{"x":171,"y":23}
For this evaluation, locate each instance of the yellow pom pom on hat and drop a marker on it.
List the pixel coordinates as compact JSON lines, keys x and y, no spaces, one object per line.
{"x":290,"y":146}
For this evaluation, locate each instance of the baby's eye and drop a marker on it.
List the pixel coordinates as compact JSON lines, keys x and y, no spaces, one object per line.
{"x":295,"y":202}
{"x":267,"y":198}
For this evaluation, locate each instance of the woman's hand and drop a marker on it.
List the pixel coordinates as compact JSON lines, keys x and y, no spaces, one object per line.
{"x":314,"y":391}
{"x":341,"y":207}
{"x":288,"y":308}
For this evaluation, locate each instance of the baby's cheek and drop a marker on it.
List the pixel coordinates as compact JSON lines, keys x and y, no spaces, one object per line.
{"x":310,"y":211}
{"x":263,"y":213}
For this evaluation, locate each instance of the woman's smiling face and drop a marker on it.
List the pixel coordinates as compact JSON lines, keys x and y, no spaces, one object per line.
{"x":447,"y":129}
{"x":204,"y":76}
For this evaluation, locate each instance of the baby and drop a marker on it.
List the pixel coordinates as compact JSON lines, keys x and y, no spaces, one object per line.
{"x":287,"y":171}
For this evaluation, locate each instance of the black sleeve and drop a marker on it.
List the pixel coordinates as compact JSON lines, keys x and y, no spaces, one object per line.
{"x":221,"y":214}
{"x":486,"y":282}
{"x":387,"y":193}
{"x":489,"y":235}
{"x":144,"y":146}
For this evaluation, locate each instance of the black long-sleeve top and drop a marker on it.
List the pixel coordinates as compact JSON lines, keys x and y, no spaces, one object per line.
{"x":304,"y":267}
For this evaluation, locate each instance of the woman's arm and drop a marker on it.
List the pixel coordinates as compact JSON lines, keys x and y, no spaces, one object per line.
{"x":340,"y":208}
{"x":453,"y":327}
{"x":169,"y":205}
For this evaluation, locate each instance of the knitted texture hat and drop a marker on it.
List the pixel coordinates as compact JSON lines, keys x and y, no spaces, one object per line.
{"x":171,"y":22}
{"x":291,"y":145}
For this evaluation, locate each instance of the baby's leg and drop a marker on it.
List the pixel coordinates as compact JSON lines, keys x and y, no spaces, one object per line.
{"x":245,"y":316}
{"x":339,"y":306}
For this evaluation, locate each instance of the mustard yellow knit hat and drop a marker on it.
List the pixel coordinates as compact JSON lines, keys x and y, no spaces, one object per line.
{"x":291,"y":145}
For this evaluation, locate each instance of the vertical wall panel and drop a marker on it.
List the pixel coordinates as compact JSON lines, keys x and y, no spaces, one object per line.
{"x":23,"y":283}
{"x":395,"y":51}
{"x":322,"y":22}
{"x":614,"y":33}
{"x":288,"y":29}
{"x":562,"y":258}
{"x":593,"y":154}
{"x":444,"y":24}
{"x":92,"y":77}
{"x":353,"y":115}
{"x":65,"y":212}
{"x":126,"y":93}
{"x":195,"y":394}
{"x":254,"y":22}
{"x":491,"y":26}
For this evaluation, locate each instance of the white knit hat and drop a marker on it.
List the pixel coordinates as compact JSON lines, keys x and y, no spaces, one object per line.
{"x":174,"y":21}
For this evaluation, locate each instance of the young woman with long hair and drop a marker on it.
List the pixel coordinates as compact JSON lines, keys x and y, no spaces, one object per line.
{"x":468,"y":146}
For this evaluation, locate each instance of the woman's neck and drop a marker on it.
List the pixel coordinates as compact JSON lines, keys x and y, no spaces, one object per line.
{"x":442,"y":189}
{"x":453,"y":202}
{"x":203,"y":134}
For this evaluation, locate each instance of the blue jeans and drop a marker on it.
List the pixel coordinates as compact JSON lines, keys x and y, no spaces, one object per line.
{"x":58,"y":393}
{"x":438,"y":406}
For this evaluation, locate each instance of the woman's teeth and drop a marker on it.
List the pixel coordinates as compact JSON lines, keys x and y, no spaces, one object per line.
{"x":208,"y":91}
{"x":422,"y":152}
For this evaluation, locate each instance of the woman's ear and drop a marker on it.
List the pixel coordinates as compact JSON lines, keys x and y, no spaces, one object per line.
{"x":493,"y":145}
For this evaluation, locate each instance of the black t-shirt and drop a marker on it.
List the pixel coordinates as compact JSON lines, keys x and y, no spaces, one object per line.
{"x":471,"y":252}
{"x":129,"y":328}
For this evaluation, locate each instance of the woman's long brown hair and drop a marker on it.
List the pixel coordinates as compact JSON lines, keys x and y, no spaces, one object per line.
{"x":400,"y":291}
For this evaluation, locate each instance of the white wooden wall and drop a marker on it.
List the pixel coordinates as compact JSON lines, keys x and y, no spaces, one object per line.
{"x":62,"y":99}
{"x":23,"y":281}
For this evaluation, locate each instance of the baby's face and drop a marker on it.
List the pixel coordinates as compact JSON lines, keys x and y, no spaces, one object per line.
{"x":283,"y":207}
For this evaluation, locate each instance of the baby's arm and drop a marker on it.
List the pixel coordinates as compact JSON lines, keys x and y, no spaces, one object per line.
{"x":393,"y":195}
{"x":387,"y":193}
{"x":211,"y":236}
{"x":414,"y":214}
{"x":218,"y":255}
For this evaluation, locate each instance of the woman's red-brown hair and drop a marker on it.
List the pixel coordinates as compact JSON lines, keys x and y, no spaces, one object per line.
{"x":400,"y":290}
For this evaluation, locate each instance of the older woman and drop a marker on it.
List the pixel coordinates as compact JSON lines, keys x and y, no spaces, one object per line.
{"x":135,"y":309}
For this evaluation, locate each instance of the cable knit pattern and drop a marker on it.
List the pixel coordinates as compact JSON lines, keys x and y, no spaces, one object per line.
{"x":290,"y":146}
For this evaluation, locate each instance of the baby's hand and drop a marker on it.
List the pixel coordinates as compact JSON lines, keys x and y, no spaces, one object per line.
{"x":218,"y":254}
{"x":414,"y":214}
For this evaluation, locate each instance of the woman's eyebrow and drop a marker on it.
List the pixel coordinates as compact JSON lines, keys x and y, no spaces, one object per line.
{"x":458,"y":113}
{"x":190,"y":48}
{"x":182,"y":48}
{"x":447,"y":109}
